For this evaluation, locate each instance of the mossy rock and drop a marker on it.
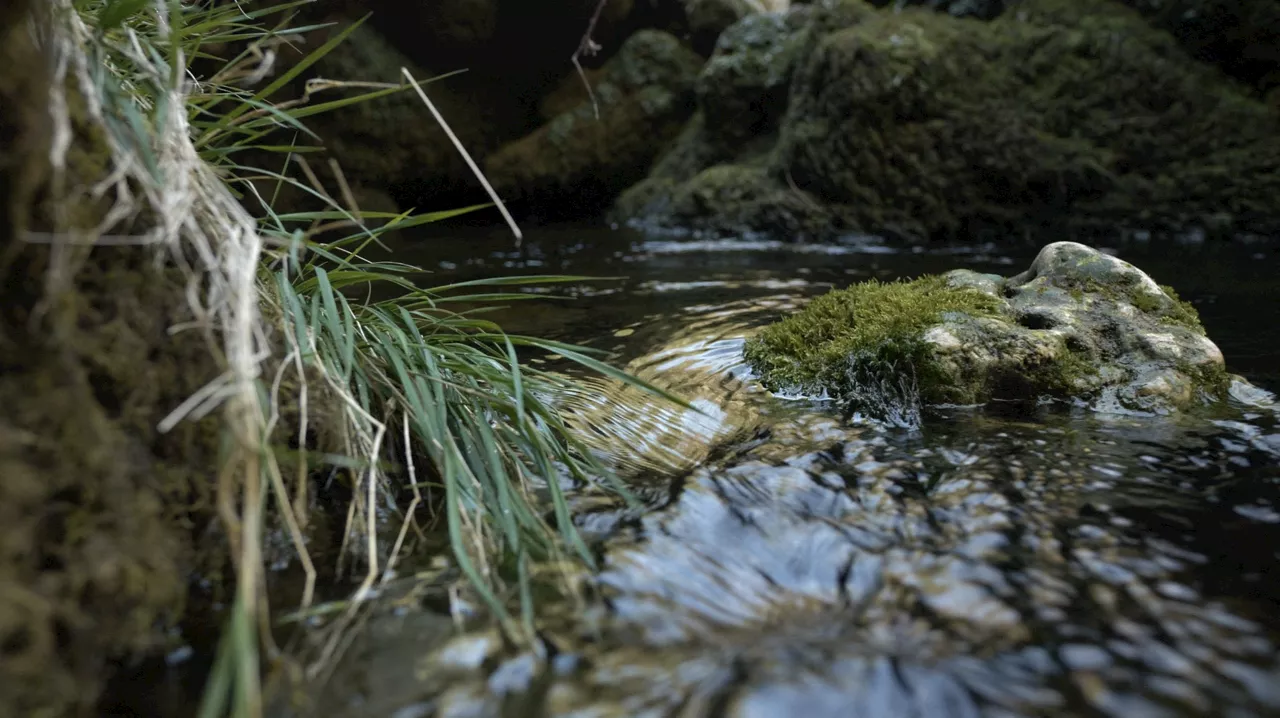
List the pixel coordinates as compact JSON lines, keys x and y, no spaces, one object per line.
{"x":980,"y":9}
{"x":579,"y":162}
{"x":708,"y":19}
{"x":924,"y":125}
{"x":1078,"y":325}
{"x":917,"y":124}
{"x":743,"y":88}
{"x":742,"y":96}
{"x":728,"y":200}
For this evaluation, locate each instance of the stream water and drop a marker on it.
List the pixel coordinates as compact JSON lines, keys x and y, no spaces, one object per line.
{"x":789,"y":560}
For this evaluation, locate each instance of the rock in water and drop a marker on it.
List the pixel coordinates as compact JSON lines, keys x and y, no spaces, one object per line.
{"x":1077,"y":325}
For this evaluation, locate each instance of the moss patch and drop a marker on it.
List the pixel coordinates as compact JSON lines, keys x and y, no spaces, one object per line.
{"x":869,"y":327}
{"x":1170,"y":309}
{"x":1181,"y":312}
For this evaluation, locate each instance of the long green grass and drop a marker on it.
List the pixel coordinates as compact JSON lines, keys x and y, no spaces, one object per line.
{"x":406,"y":380}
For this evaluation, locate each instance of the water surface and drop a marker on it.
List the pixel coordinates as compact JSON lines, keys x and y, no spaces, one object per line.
{"x":791,"y":560}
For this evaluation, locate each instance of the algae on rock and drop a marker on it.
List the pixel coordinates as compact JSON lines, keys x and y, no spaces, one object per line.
{"x":1079,"y":324}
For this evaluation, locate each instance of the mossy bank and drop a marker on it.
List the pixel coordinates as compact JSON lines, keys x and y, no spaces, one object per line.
{"x":1078,"y":325}
{"x":103,"y":517}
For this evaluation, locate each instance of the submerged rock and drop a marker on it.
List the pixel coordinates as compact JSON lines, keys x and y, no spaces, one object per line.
{"x":918,"y":124}
{"x":1078,"y":324}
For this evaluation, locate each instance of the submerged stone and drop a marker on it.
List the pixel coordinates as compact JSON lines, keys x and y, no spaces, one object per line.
{"x":1078,"y":324}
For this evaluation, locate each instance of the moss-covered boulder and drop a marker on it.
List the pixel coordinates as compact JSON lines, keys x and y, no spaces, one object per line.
{"x":923,"y":124}
{"x":743,"y":88}
{"x":1079,"y":324}
{"x":578,"y":162}
{"x":919,"y":124}
{"x":730,"y":199}
{"x":741,"y":95}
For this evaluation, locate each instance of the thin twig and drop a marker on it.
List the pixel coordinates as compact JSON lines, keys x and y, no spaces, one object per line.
{"x":588,"y":47}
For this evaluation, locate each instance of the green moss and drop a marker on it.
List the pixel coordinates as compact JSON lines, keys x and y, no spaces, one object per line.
{"x":1212,"y":380}
{"x":1182,"y":312}
{"x":99,"y":509}
{"x":1065,"y":375}
{"x":871,"y":327}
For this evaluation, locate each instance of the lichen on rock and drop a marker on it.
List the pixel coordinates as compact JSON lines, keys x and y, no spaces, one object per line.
{"x":1077,"y":325}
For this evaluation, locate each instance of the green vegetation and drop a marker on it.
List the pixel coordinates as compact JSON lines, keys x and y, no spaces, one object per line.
{"x":1181,"y":312}
{"x":412,"y":397}
{"x":871,"y":327}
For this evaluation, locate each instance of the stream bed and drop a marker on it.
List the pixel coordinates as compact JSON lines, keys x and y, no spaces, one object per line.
{"x":788,"y":559}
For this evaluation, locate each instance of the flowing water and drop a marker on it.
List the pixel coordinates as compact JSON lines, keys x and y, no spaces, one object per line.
{"x":790,"y":560}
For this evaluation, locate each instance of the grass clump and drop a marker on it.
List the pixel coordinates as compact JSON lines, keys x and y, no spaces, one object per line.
{"x":871,"y":327}
{"x":312,"y":343}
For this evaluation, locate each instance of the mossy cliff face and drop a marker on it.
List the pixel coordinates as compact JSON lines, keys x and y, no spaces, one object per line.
{"x":1078,"y":324}
{"x":919,"y":124}
{"x":98,"y":511}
